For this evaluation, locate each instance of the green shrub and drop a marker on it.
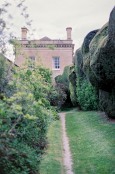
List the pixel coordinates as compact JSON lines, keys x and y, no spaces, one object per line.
{"x":5,"y":72}
{"x":25,"y":115}
{"x":58,"y":96}
{"x":86,"y":95}
{"x":72,"y":86}
{"x":73,"y":96}
{"x":64,"y":78}
{"x":62,"y":88}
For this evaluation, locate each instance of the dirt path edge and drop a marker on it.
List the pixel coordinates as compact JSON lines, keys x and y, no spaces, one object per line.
{"x":67,"y":160}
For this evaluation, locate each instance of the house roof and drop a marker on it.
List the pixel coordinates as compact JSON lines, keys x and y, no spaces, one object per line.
{"x":45,"y":39}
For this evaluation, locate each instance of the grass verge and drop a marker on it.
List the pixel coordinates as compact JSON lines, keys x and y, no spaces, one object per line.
{"x":52,"y":160}
{"x":91,"y":142}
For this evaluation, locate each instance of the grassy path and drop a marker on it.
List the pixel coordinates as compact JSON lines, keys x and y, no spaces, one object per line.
{"x":92,"y":143}
{"x":52,"y":162}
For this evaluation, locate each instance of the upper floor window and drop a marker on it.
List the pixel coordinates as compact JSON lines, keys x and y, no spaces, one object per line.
{"x":56,"y":62}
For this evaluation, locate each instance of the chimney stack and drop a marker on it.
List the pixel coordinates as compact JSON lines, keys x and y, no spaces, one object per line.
{"x":24,"y":31}
{"x":68,"y":29}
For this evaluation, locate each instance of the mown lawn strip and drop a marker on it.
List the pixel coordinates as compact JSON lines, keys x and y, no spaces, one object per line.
{"x":92,"y":143}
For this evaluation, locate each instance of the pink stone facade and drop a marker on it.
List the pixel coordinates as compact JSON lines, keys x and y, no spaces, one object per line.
{"x":44,"y":52}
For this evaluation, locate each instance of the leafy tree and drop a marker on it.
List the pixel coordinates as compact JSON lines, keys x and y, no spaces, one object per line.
{"x":25,"y":110}
{"x":24,"y":119}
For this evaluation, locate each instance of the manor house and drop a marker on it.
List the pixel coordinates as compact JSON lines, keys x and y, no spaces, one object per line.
{"x":52,"y":54}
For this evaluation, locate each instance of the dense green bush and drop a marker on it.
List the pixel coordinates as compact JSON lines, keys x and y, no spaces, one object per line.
{"x":72,"y":86}
{"x":73,"y":96}
{"x":25,"y":114}
{"x":86,"y":95}
{"x":5,"y":72}
{"x":64,"y":78}
{"x":62,"y":88}
{"x":58,"y":96}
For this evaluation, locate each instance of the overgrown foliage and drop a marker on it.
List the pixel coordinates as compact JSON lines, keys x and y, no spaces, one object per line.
{"x":62,"y":88}
{"x":72,"y":86}
{"x":58,"y":96}
{"x":25,"y":110}
{"x":5,"y":73}
{"x":86,"y":95}
{"x":25,"y":113}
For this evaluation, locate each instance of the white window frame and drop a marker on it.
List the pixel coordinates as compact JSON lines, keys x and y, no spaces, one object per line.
{"x":56,"y":63}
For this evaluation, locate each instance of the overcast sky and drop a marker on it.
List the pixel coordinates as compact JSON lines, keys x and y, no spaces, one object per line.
{"x":51,"y":17}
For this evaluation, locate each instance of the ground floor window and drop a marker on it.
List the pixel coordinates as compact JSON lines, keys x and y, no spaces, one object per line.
{"x":56,"y":62}
{"x":31,"y":61}
{"x":32,"y":58}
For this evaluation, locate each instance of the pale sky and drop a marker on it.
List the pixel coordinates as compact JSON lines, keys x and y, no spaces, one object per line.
{"x":51,"y":17}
